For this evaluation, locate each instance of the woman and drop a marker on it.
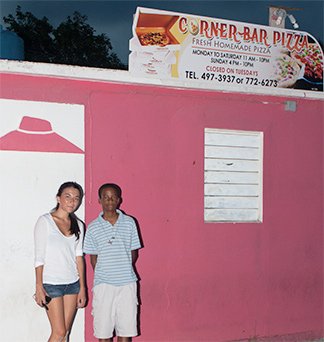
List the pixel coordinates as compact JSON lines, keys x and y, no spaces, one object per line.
{"x":59,"y":262}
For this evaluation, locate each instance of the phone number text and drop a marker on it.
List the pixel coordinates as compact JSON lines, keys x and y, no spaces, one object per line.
{"x":209,"y":76}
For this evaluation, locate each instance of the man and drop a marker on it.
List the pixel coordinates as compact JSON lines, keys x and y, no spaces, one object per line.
{"x":112,"y":241}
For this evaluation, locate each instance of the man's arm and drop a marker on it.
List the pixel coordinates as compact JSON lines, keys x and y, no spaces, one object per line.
{"x":93,"y":260}
{"x":134,"y":256}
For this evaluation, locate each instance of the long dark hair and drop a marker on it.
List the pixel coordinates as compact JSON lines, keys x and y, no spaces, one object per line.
{"x":74,"y":229}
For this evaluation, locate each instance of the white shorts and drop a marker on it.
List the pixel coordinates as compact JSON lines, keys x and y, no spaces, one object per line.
{"x":114,"y":308}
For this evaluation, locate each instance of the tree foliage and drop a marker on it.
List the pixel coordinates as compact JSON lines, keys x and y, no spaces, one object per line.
{"x":73,"y":42}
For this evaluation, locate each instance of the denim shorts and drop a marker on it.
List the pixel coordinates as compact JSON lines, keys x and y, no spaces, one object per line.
{"x":61,"y":290}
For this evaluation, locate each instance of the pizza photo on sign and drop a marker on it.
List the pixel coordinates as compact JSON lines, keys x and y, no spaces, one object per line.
{"x":153,"y":46}
{"x":154,"y":38}
{"x":312,"y":58}
{"x":287,"y":71}
{"x":154,"y":30}
{"x":300,"y":69}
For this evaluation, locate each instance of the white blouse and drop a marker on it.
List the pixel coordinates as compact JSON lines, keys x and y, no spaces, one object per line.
{"x":56,"y":252}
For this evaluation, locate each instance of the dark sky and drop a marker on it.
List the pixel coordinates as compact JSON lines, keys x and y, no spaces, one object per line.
{"x":114,"y":18}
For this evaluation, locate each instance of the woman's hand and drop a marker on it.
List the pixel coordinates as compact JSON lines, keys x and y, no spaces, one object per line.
{"x":82,"y":298}
{"x":40,"y":295}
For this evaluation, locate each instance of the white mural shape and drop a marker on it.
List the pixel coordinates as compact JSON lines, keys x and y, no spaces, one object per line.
{"x":41,"y":147}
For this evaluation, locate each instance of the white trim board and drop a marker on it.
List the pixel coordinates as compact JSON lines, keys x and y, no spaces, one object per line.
{"x":123,"y":76}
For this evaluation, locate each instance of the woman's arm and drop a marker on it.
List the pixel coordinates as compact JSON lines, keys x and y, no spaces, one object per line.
{"x":40,"y":241}
{"x":40,"y":292}
{"x":82,"y":296}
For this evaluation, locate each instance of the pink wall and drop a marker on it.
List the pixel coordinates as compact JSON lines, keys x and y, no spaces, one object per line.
{"x":205,"y":282}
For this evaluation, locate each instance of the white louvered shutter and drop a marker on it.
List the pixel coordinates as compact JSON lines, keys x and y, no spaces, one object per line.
{"x":233,"y":176}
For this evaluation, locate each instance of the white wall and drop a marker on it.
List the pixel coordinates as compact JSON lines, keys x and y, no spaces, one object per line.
{"x":28,"y":185}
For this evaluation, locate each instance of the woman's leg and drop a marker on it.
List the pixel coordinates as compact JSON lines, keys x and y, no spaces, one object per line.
{"x":70,"y":308}
{"x":55,"y":315}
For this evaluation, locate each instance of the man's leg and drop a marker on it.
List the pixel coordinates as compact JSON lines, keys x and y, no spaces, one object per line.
{"x":124,"y":339}
{"x":103,"y":312}
{"x":127,"y":307}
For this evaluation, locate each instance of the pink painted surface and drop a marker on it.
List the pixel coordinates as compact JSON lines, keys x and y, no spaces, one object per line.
{"x":205,"y":282}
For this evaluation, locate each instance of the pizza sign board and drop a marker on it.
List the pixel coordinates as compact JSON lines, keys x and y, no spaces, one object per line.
{"x":170,"y":45}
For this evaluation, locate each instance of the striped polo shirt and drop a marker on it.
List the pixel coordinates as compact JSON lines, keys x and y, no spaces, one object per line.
{"x":113,"y":245}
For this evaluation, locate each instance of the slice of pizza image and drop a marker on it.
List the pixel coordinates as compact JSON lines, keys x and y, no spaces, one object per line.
{"x":287,"y":71}
{"x":312,"y":58}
